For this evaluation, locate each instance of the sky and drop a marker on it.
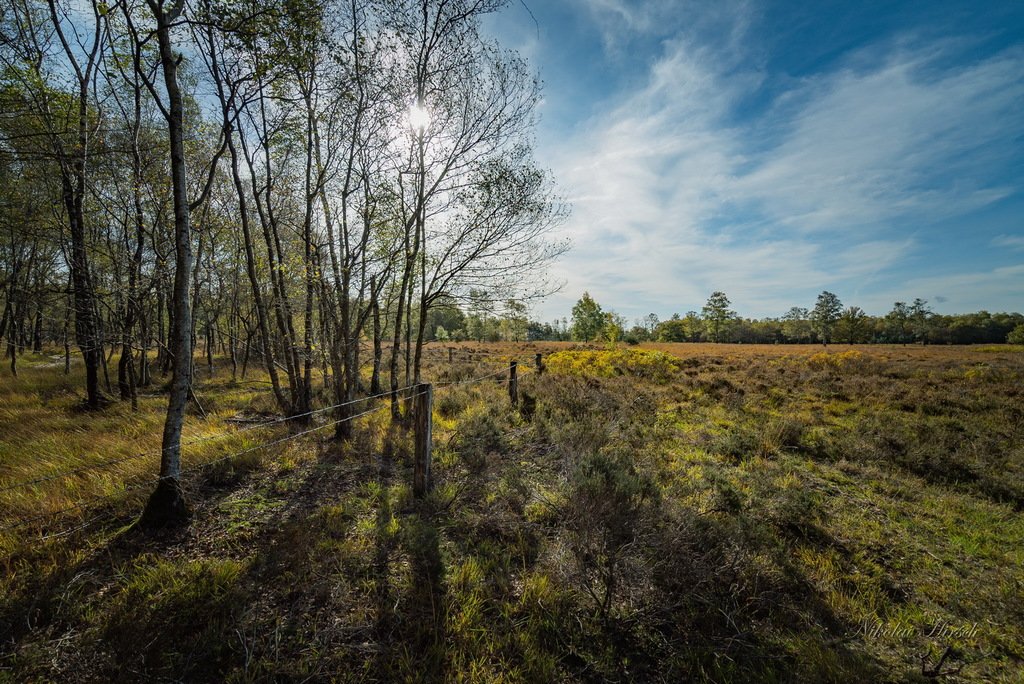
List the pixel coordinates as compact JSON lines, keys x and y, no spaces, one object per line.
{"x":773,"y":150}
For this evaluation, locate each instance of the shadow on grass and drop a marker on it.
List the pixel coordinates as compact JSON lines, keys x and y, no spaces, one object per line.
{"x":114,"y":599}
{"x":411,"y":609}
{"x":281,"y":608}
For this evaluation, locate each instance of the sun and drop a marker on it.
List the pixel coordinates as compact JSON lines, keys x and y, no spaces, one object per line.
{"x":419,"y":117}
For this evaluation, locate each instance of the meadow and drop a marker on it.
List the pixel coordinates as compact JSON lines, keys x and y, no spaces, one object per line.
{"x":662,"y":512}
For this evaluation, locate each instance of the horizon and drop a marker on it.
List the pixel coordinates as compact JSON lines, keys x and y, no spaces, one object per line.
{"x":696,"y":309}
{"x":772,"y":151}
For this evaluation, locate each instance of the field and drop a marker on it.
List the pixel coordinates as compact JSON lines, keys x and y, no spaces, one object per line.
{"x":667,"y":512}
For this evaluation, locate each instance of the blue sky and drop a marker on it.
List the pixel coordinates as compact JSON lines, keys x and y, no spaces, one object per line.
{"x":773,"y":150}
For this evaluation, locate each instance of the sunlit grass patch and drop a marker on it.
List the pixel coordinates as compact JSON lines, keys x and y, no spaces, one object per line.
{"x":643,"y":363}
{"x":54,"y":455}
{"x":998,"y":348}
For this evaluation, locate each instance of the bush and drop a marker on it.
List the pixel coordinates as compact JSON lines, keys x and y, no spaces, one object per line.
{"x":480,"y":436}
{"x":737,"y":444}
{"x":450,"y":404}
{"x":851,"y":361}
{"x":1016,"y":335}
{"x":609,"y":506}
{"x":607,"y":363}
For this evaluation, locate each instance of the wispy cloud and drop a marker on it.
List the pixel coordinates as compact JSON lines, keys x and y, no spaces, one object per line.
{"x":865,"y":148}
{"x":1014,"y":242}
{"x":974,"y":291}
{"x":673,"y":197}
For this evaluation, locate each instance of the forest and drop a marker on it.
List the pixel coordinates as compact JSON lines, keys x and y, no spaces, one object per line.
{"x":278,"y":180}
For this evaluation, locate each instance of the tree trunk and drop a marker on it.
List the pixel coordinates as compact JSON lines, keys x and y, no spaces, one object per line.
{"x":85,"y":323}
{"x":167,"y":504}
{"x":12,"y":348}
{"x":377,"y":347}
{"x":254,"y":283}
{"x":37,"y":331}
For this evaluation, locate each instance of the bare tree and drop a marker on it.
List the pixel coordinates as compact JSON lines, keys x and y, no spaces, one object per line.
{"x":470,"y":108}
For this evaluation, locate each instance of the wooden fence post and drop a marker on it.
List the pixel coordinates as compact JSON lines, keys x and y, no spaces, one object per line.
{"x":421,"y":483}
{"x":451,"y":353}
{"x":513,"y":383}
{"x":540,"y":363}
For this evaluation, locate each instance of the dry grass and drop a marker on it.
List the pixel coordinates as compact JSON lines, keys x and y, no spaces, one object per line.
{"x":81,"y":456}
{"x":779,"y":513}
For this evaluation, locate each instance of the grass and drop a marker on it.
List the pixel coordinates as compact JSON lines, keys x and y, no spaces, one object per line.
{"x":669,"y":513}
{"x":47,"y":433}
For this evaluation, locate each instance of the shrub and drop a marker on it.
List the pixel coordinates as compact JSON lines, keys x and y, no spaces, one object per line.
{"x":479,"y":436}
{"x":737,"y":443}
{"x":851,"y":361}
{"x":792,"y":509}
{"x":450,"y":404}
{"x":780,"y":433}
{"x":606,"y":363}
{"x":1016,"y":335}
{"x":609,"y":507}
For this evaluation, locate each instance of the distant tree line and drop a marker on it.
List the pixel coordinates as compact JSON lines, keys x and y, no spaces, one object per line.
{"x":479,"y":320}
{"x":828,"y":321}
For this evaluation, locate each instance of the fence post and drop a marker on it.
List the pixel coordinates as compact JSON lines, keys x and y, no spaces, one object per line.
{"x":513,"y":383}
{"x":451,"y":353}
{"x":421,"y":483}
{"x":540,"y":363}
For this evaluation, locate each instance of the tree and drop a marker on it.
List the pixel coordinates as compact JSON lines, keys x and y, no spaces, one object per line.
{"x":587,"y":319}
{"x":637,"y":334}
{"x":167,"y":503}
{"x":897,"y":322}
{"x":852,"y":325}
{"x":920,"y":316}
{"x":673,"y":330}
{"x":694,"y":326}
{"x":513,"y":325}
{"x":449,"y":317}
{"x":826,"y":312}
{"x":1016,"y":335}
{"x":796,"y":325}
{"x":613,"y":327}
{"x":717,"y":314}
{"x":649,"y":323}
{"x":473,"y":205}
{"x":67,"y":118}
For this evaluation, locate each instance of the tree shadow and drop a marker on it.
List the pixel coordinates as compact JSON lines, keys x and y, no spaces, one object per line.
{"x":80,"y":590}
{"x":411,"y":609}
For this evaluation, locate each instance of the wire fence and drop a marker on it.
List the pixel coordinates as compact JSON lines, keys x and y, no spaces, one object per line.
{"x":131,"y":457}
{"x":256,"y":425}
{"x":128,"y":489}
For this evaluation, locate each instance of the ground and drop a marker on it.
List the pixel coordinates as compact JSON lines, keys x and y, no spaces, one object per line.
{"x":654,"y":513}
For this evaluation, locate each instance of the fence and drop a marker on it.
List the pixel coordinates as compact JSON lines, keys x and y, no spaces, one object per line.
{"x":421,"y":396}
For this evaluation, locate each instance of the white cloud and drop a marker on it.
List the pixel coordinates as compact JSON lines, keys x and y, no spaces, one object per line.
{"x":1014,"y":242}
{"x":628,"y":27}
{"x":870,"y":147}
{"x":965,"y":292}
{"x":673,"y":199}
